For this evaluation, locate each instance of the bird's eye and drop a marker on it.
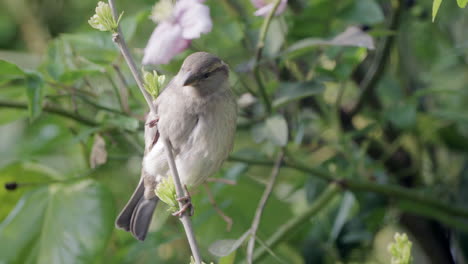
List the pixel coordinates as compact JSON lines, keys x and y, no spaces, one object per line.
{"x":206,"y":75}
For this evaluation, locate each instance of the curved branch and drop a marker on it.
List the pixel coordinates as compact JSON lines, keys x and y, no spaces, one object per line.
{"x":52,"y":110}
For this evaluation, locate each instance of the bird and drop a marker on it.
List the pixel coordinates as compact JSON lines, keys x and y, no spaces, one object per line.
{"x":197,"y":113}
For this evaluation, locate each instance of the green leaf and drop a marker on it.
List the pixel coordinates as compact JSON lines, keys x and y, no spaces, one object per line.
{"x":34,"y":93}
{"x":129,"y":24}
{"x":9,"y":71}
{"x":289,"y":92}
{"x":462,"y":3}
{"x":403,"y":116}
{"x":435,"y":8}
{"x":352,"y":37}
{"x":277,"y":130}
{"x":18,"y":172}
{"x":229,"y":259}
{"x":60,"y":223}
{"x":225,"y":247}
{"x":364,"y":12}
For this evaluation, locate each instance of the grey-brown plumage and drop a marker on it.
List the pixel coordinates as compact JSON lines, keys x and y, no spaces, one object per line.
{"x":197,"y":113}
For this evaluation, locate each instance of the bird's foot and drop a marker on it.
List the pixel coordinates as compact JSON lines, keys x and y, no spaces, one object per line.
{"x":187,"y":200}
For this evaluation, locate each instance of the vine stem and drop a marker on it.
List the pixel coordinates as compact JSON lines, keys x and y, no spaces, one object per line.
{"x":118,"y":38}
{"x":259,"y":52}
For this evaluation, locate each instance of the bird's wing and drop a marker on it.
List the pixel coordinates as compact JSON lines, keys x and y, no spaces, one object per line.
{"x":151,"y":131}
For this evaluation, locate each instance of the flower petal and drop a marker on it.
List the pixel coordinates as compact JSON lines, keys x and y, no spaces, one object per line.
{"x":194,"y":18}
{"x":266,"y":8}
{"x":165,"y":42}
{"x":259,"y":3}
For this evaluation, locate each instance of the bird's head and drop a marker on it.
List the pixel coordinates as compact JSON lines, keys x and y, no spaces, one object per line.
{"x":205,"y":72}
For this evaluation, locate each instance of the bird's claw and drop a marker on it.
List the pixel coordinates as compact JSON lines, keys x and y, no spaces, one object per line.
{"x":187,"y":200}
{"x":187,"y":206}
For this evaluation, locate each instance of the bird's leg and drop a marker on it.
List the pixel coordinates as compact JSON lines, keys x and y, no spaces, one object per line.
{"x":226,"y":218}
{"x":153,"y":122}
{"x":187,"y":199}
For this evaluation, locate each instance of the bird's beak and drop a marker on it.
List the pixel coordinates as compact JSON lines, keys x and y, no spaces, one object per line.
{"x":189,"y":78}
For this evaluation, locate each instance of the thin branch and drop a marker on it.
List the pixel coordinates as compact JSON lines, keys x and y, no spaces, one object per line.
{"x":53,"y":110}
{"x":394,"y":191}
{"x":122,"y":79}
{"x":258,"y":55}
{"x":125,"y":92}
{"x":261,"y":206}
{"x":117,"y":92}
{"x":118,"y":38}
{"x":213,"y":203}
{"x":185,"y":218}
{"x":222,"y":180}
{"x":287,"y":228}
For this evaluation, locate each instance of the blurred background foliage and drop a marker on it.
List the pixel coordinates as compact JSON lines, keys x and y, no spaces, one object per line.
{"x":388,"y":126}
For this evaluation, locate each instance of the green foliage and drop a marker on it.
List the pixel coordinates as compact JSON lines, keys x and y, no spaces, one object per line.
{"x":77,"y":213}
{"x":71,"y":134}
{"x":167,"y":193}
{"x":436,"y":4}
{"x":401,"y":249}
{"x":154,"y":83}
{"x":103,"y":19}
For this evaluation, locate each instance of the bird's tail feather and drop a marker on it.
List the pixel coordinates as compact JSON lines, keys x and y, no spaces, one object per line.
{"x":137,"y":213}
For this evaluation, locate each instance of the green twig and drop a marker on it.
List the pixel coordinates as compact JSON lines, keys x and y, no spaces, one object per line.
{"x":287,"y":228}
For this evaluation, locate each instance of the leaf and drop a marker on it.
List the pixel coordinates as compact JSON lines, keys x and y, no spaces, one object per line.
{"x":435,"y":8}
{"x":34,"y":88}
{"x":98,"y":152}
{"x":352,"y":37}
{"x":462,"y":3}
{"x":277,"y":130}
{"x":344,"y":212}
{"x":17,"y":172}
{"x":289,"y":92}
{"x":364,"y":12}
{"x":229,"y":259}
{"x":60,"y":223}
{"x":275,"y":37}
{"x":9,"y":71}
{"x":129,"y":24}
{"x":403,"y":116}
{"x":355,"y":37}
{"x":222,"y":248}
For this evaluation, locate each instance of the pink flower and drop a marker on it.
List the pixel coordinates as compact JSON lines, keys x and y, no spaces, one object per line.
{"x":187,"y":20}
{"x":264,"y":7}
